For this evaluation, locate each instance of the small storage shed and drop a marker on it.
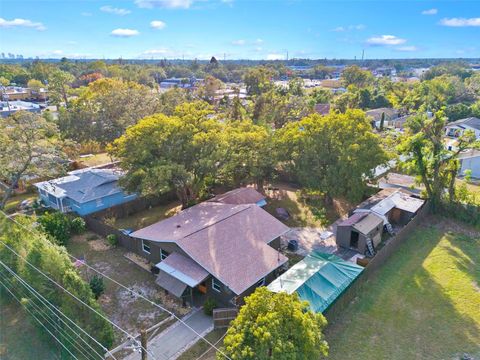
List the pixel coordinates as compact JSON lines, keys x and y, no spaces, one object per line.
{"x":319,"y":279}
{"x":354,"y":231}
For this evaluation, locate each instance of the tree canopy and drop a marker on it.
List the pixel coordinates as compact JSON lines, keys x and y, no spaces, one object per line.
{"x":275,"y":326}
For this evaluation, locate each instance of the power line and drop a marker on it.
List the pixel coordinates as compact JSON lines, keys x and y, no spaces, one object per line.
{"x":74,"y":296}
{"x":20,"y":302}
{"x":52,"y":323}
{"x":55,"y":311}
{"x":131,"y":291}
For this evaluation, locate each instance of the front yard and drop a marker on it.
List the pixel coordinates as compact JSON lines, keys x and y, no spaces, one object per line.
{"x":120,"y":305}
{"x":423,"y":304}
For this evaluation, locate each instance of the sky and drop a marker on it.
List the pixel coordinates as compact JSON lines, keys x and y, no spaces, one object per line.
{"x":240,"y":29}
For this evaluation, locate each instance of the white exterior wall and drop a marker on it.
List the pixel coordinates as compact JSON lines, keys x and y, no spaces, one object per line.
{"x":473,"y":164}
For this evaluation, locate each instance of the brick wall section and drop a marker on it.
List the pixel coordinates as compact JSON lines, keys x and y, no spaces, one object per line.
{"x":361,"y":283}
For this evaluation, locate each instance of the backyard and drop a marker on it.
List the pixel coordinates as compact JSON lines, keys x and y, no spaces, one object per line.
{"x":121,"y":306}
{"x":303,"y":210}
{"x":423,"y":304}
{"x":145,"y":217}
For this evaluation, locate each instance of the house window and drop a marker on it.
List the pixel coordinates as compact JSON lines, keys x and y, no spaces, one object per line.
{"x":216,"y":285}
{"x":261,"y":282}
{"x":99,"y":202}
{"x":146,"y":247}
{"x":163,"y":254}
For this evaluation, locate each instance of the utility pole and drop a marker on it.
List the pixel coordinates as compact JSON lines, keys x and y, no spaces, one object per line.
{"x":143,"y":342}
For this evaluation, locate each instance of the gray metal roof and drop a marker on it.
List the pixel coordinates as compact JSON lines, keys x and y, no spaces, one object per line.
{"x":84,"y":185}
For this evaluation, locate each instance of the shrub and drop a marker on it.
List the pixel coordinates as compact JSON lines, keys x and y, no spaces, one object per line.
{"x":208,"y":306}
{"x":57,"y":225}
{"x":78,"y":225}
{"x":112,"y":239}
{"x":97,"y":286}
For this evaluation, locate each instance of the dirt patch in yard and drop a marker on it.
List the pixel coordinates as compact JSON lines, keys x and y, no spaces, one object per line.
{"x":122,"y":306}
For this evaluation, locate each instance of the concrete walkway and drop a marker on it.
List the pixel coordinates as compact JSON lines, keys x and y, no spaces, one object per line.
{"x":177,"y":338}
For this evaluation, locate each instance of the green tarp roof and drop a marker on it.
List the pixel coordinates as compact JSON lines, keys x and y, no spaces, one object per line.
{"x":319,"y":279}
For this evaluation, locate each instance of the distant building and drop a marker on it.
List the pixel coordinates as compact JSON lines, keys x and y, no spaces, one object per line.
{"x":376,"y":115}
{"x":457,"y":128}
{"x":84,"y":191}
{"x":14,"y":93}
{"x":11,"y":107}
{"x":183,"y":83}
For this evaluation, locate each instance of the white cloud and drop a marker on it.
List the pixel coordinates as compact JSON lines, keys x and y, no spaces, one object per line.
{"x":258,"y":49}
{"x":430,"y":12}
{"x":169,"y":4}
{"x":349,"y":28}
{"x":153,"y":52}
{"x":57,"y":52}
{"x":460,"y":22}
{"x":239,"y":42}
{"x":115,"y":10}
{"x":21,"y":23}
{"x":407,"y":48}
{"x":86,"y":13}
{"x":275,"y":57}
{"x":124,"y":32}
{"x":259,"y":41}
{"x":157,"y":24}
{"x":385,"y":40}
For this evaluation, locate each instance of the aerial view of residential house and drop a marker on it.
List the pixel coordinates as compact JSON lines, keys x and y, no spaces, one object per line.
{"x":319,"y":279}
{"x":457,"y":128}
{"x":376,"y":114}
{"x":201,"y":251}
{"x":84,"y":191}
{"x":391,"y":208}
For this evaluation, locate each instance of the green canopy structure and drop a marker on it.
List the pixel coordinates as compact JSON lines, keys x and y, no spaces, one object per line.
{"x":319,"y":279}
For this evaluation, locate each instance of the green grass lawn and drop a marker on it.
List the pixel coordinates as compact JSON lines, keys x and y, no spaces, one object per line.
{"x":423,"y":304}
{"x":94,"y":160}
{"x":19,"y":337}
{"x":12,"y":204}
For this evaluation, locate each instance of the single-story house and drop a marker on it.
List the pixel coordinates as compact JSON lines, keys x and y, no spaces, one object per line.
{"x":470,"y":160}
{"x":84,"y":191}
{"x":214,"y":249}
{"x":376,"y":115}
{"x":457,"y":128}
{"x":243,"y":195}
{"x":8,"y":108}
{"x":318,"y":279}
{"x":360,"y":232}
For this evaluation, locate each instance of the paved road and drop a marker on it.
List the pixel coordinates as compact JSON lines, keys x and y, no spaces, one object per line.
{"x":173,"y":341}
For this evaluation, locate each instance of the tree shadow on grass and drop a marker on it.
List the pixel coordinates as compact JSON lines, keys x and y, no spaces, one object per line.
{"x":405,"y":313}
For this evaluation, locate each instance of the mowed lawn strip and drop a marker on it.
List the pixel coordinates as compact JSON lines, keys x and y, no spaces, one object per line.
{"x":423,"y":304}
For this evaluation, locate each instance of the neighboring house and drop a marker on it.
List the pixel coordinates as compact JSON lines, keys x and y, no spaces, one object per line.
{"x":11,"y":107}
{"x":184,"y":83}
{"x":318,"y":279}
{"x":390,"y":208}
{"x":457,"y":128}
{"x":322,"y":109}
{"x":470,"y":160}
{"x":13,"y":93}
{"x":84,"y":191}
{"x":376,"y":115}
{"x":214,"y":249}
{"x":399,"y":181}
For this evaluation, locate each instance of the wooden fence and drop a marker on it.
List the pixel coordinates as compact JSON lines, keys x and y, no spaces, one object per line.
{"x":222,"y":317}
{"x":361,"y":282}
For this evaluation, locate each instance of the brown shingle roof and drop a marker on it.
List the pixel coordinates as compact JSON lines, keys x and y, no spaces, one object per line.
{"x":244,"y":195}
{"x":229,"y":241}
